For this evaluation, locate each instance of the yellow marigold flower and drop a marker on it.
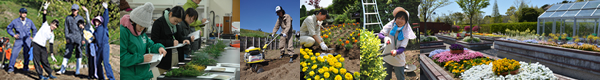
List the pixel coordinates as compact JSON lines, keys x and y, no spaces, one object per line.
{"x":313,"y":58}
{"x":314,"y":61}
{"x":338,"y":77}
{"x":326,"y":74}
{"x":304,"y":69}
{"x":321,"y":59}
{"x":342,"y":71}
{"x":332,"y":68}
{"x":348,"y":76}
{"x":330,"y":56}
{"x":342,"y":59}
{"x":303,"y":64}
{"x":317,"y":77}
{"x":320,"y":71}
{"x":311,"y":73}
{"x":356,"y":74}
{"x":315,"y":66}
{"x":338,"y":65}
{"x":335,"y":70}
{"x":325,"y":69}
{"x":306,"y":56}
{"x":317,"y":54}
{"x":308,"y":79}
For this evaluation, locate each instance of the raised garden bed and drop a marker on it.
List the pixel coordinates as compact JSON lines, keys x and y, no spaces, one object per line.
{"x":431,"y":45}
{"x":447,"y":39}
{"x":486,"y":38}
{"x":432,"y":71}
{"x":576,"y":63}
{"x":476,"y":46}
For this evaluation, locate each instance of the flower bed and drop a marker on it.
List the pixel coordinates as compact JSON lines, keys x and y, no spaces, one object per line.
{"x":527,"y":71}
{"x":571,"y":62}
{"x":434,"y":70}
{"x":343,"y":36}
{"x":447,"y":39}
{"x":316,"y":66}
{"x":430,"y":43}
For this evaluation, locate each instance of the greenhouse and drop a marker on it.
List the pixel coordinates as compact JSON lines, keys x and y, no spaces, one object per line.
{"x":579,"y":19}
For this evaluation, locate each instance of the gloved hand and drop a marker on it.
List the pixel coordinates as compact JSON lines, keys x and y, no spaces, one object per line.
{"x":46,"y":5}
{"x":283,"y":35}
{"x":323,"y":46}
{"x":271,"y":35}
{"x":399,"y":50}
{"x":380,"y":36}
{"x":105,"y":5}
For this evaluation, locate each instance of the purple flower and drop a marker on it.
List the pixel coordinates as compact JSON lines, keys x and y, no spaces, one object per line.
{"x":456,"y":47}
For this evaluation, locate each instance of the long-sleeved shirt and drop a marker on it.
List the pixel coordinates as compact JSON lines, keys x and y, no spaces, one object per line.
{"x":101,"y":34}
{"x":22,"y":29}
{"x":285,"y":23}
{"x":310,"y":27}
{"x":44,"y":34}
{"x":73,"y":33}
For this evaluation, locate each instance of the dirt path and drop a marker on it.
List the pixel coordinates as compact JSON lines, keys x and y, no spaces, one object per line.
{"x":69,"y":75}
{"x":275,"y":69}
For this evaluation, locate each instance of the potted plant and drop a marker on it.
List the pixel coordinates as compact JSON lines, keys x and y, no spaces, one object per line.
{"x":456,"y":49}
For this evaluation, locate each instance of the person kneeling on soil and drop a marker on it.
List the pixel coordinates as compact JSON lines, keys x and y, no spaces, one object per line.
{"x":310,"y":32}
{"x":285,"y":43}
{"x":398,"y":30}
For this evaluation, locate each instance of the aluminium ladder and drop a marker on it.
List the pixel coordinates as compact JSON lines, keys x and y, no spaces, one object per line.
{"x":366,"y":14}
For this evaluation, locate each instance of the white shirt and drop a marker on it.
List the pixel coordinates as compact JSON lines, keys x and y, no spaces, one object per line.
{"x":43,"y":35}
{"x":310,"y":27}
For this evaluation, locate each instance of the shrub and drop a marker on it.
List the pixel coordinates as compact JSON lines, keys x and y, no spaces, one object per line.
{"x":501,"y":27}
{"x":371,"y":65}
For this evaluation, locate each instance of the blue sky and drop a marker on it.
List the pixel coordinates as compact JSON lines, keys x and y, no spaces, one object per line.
{"x":260,"y":14}
{"x":502,"y":6}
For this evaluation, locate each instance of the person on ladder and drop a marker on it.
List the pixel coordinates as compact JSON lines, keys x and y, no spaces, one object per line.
{"x":400,"y":32}
{"x":310,"y":32}
{"x":286,"y":44}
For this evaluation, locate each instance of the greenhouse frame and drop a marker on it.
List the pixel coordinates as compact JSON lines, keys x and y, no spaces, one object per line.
{"x":579,"y":18}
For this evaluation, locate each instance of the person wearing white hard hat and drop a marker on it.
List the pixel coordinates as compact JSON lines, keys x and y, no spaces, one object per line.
{"x":285,"y":42}
{"x":135,"y":44}
{"x":310,"y":34}
{"x":398,"y":33}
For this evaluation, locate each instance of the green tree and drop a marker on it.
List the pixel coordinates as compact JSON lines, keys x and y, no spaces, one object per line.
{"x":428,"y":7}
{"x":529,"y":15}
{"x":472,"y":7}
{"x":496,"y":17}
{"x":458,"y":16}
{"x":511,"y":12}
{"x":303,"y":11}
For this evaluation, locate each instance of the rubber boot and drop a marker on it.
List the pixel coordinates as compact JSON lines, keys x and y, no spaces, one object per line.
{"x":43,"y":78}
{"x":51,"y":77}
{"x":63,"y":66}
{"x":78,"y":66}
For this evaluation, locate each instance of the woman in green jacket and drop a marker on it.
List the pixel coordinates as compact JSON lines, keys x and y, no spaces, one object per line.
{"x":135,"y":44}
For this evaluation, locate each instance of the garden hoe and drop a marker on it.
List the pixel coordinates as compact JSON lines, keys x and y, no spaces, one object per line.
{"x":386,"y":54}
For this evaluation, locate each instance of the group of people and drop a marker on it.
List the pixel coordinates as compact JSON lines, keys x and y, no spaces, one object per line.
{"x":171,"y":29}
{"x":398,"y":32}
{"x":78,"y":32}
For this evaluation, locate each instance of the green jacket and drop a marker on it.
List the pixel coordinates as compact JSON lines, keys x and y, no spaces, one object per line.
{"x":133,"y":49}
{"x":191,"y":4}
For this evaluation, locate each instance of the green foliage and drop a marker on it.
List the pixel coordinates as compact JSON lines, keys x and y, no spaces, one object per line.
{"x":371,"y":65}
{"x":529,"y":15}
{"x":501,"y":27}
{"x":185,"y":72}
{"x":202,"y":59}
{"x":215,"y":49}
{"x":303,"y":11}
{"x":472,"y":40}
{"x":428,"y":38}
{"x":253,"y":33}
{"x":389,"y":6}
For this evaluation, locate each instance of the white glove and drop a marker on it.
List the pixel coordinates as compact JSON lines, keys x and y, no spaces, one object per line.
{"x":53,"y":59}
{"x":46,"y":5}
{"x":284,"y":35}
{"x":323,"y":46}
{"x":105,"y":5}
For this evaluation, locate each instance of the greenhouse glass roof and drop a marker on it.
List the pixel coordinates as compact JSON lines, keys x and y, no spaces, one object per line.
{"x":573,"y":10}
